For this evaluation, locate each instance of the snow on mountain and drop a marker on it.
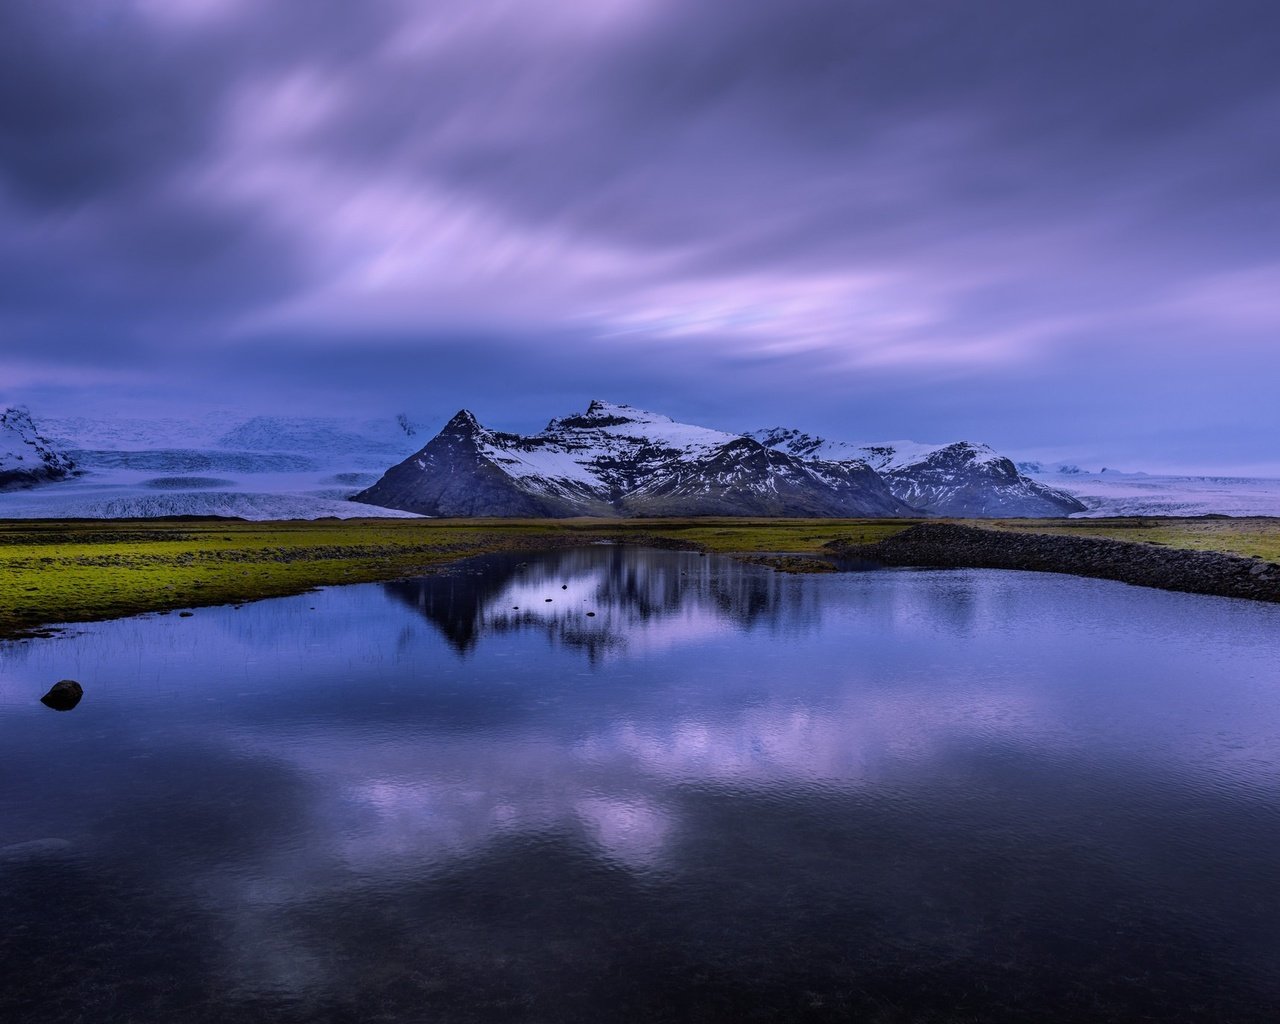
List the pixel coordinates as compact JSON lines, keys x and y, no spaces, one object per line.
{"x":615,"y":459}
{"x":884,"y":456}
{"x":961,"y":479}
{"x":604,"y":448}
{"x":744,"y":477}
{"x":970,"y":480}
{"x":27,"y":458}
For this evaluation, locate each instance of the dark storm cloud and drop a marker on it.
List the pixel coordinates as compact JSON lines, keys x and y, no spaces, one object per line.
{"x":871,"y":199}
{"x":857,"y":126}
{"x":98,"y":99}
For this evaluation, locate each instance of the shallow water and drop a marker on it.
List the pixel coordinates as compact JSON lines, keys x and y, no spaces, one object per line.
{"x":728,"y":795}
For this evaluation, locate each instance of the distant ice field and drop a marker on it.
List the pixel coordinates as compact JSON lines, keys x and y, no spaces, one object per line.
{"x":264,"y":468}
{"x":118,"y":494}
{"x":1125,"y":494}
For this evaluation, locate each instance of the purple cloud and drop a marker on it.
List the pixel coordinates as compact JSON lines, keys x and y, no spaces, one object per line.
{"x":1038,"y":226}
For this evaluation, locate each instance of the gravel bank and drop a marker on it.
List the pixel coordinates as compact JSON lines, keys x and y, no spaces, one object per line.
{"x":946,"y":545}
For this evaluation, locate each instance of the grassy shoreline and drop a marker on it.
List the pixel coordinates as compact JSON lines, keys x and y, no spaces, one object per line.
{"x":67,"y":571}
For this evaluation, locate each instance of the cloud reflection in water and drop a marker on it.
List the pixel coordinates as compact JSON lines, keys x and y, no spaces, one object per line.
{"x":421,"y":795}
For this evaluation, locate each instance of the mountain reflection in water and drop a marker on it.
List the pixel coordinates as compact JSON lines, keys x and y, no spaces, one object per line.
{"x":629,"y":597}
{"x":729,"y":795}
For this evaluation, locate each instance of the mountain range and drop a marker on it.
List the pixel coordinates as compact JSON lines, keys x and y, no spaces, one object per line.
{"x":618,"y":460}
{"x":280,"y":467}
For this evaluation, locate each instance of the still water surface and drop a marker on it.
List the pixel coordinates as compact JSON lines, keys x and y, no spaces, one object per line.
{"x":728,"y":795}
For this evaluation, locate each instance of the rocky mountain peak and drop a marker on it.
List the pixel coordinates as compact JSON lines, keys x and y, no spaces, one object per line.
{"x":463,"y":423}
{"x":602,"y":415}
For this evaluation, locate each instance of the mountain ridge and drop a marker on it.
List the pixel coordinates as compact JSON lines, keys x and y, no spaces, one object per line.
{"x":960,"y":479}
{"x":617,"y":460}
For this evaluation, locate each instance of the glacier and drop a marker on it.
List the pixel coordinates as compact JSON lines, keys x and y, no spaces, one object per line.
{"x":216,"y":465}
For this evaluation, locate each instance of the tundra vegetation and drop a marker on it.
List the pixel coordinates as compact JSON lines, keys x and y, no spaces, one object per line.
{"x":55,"y":572}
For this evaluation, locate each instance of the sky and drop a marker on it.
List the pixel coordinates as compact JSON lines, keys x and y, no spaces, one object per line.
{"x":1053,"y":227}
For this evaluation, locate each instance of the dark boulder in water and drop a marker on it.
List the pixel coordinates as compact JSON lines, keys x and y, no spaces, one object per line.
{"x":63,"y":695}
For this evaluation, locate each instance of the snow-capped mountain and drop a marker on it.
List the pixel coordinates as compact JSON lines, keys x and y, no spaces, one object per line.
{"x":961,"y":479}
{"x":27,"y":458}
{"x":618,"y":460}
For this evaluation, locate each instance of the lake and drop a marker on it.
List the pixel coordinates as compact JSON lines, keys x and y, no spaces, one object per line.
{"x":724,"y":795}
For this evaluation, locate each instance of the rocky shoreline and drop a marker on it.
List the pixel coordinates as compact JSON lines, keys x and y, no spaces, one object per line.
{"x":947,"y":545}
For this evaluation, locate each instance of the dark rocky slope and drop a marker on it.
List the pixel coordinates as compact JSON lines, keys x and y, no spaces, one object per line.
{"x":454,"y":475}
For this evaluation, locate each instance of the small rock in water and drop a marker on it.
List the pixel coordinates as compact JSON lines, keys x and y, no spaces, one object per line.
{"x":185,"y":615}
{"x":564,"y":586}
{"x":591,"y":615}
{"x":63,"y":695}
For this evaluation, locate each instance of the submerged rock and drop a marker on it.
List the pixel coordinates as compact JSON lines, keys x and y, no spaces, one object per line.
{"x":63,"y":695}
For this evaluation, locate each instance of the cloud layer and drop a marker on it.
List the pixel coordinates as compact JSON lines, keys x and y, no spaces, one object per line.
{"x":1044,"y":226}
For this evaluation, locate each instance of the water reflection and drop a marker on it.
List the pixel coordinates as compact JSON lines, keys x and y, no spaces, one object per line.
{"x":731,"y":795}
{"x":602,"y":597}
